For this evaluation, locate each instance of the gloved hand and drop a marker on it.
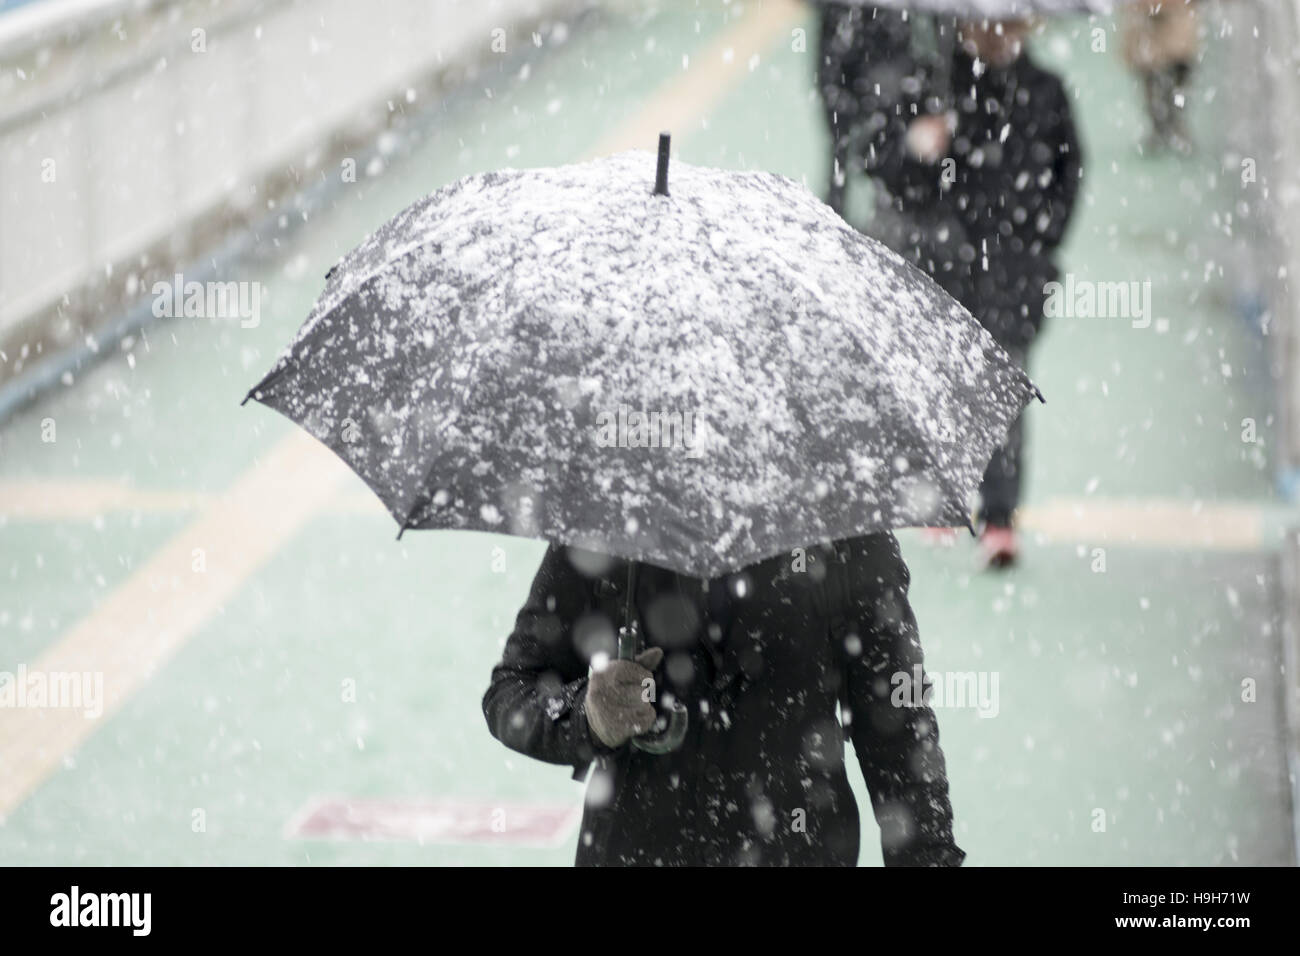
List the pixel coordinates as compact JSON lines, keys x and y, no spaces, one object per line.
{"x":615,"y":709}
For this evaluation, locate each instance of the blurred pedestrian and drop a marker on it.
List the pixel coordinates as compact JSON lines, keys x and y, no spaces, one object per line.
{"x":1161,"y":44}
{"x":985,"y":192}
{"x":863,"y":66}
{"x":764,"y":660}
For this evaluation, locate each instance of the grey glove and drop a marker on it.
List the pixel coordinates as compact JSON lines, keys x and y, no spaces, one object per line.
{"x":615,"y":708}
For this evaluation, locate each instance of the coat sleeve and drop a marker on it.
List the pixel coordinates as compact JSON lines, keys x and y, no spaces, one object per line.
{"x":535,"y":702}
{"x":886,"y":156}
{"x":887,"y":159}
{"x":897,"y":746}
{"x":915,"y":181}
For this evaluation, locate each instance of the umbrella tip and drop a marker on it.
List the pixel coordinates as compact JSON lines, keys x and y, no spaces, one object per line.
{"x":661,"y":173}
{"x":246,"y":398}
{"x":1039,"y":395}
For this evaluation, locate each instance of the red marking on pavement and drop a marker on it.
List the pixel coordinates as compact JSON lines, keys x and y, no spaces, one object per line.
{"x":435,"y":821}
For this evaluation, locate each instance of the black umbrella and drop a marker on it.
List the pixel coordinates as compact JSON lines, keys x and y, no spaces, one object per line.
{"x":698,"y":378}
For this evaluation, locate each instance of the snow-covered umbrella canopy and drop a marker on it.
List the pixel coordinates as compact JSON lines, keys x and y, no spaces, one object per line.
{"x":699,"y":380}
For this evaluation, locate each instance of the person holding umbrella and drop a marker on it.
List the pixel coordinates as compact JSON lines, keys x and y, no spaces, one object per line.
{"x":989,"y":187}
{"x":715,"y":402}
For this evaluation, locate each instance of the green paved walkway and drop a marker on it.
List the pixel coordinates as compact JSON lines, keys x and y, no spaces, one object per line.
{"x":1119,"y":689}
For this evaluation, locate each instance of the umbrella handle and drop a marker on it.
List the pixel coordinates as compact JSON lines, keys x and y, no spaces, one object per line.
{"x":655,"y":741}
{"x":670,"y":738}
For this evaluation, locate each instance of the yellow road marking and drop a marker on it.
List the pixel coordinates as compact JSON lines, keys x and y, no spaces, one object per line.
{"x":1137,"y":522}
{"x":139,"y":625}
{"x":1148,"y":523}
{"x":48,"y":499}
{"x":711,"y":73}
{"x":149,"y":615}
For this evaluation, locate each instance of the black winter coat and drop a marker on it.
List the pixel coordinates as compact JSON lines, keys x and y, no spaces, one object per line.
{"x":760,"y":778}
{"x":989,"y":235}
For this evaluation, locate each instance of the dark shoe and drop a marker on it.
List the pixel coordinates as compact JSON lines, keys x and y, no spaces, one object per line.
{"x":999,"y":547}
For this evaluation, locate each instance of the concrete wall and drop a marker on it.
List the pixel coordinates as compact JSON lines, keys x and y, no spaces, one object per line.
{"x":124,"y":124}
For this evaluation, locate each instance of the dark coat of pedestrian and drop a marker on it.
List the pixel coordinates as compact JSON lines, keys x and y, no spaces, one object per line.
{"x":989,"y":214}
{"x":765,"y":660}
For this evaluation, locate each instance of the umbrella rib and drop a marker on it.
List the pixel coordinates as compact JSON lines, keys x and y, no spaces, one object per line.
{"x":420,"y":496}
